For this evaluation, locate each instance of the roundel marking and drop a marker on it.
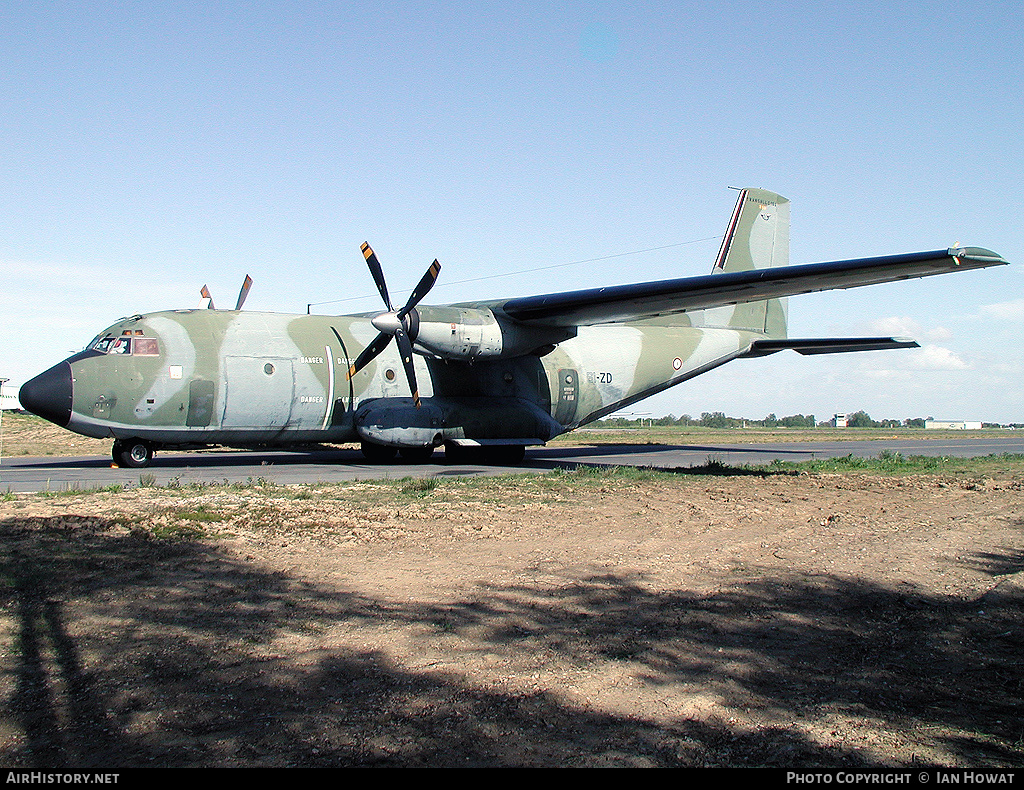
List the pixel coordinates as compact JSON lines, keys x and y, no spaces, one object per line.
{"x":677,"y":363}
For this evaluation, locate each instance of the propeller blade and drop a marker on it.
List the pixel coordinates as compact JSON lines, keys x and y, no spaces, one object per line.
{"x":246,"y":285}
{"x":369,"y":353}
{"x":205,"y":293}
{"x":405,"y":349}
{"x":422,"y":288}
{"x":377,"y":273}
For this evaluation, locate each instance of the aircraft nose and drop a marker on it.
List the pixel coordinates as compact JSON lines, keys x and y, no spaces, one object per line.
{"x":49,"y":394}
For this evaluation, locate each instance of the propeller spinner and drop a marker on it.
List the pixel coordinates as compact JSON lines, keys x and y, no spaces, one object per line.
{"x":398,"y":324}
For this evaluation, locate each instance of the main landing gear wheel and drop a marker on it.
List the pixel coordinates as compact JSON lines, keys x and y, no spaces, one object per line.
{"x":417,"y":455}
{"x":506,"y":454}
{"x":494,"y":455}
{"x":132,"y":453}
{"x":378,"y":453}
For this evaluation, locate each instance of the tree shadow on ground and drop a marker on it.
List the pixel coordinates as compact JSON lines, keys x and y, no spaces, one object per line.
{"x":711,"y":467}
{"x":122,"y":650}
{"x":561,"y":458}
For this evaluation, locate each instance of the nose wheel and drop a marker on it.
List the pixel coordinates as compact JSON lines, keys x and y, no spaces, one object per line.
{"x":132,"y":453}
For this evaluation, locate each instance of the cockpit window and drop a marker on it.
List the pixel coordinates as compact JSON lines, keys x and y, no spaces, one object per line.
{"x":101,"y":344}
{"x":145,"y":347}
{"x":126,"y":344}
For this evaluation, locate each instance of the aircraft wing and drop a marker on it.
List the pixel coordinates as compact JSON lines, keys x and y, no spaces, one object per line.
{"x":621,"y":303}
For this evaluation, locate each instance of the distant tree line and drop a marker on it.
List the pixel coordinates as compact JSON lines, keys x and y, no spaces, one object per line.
{"x":717,"y":419}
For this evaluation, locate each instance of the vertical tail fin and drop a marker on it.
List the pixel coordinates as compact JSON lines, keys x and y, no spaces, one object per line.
{"x":758,"y":235}
{"x":757,"y":238}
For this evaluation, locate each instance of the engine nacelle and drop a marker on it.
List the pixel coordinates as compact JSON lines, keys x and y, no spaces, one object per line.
{"x":396,"y":422}
{"x":468,"y":333}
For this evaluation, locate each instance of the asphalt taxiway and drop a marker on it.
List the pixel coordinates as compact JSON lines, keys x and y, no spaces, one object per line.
{"x":25,"y":474}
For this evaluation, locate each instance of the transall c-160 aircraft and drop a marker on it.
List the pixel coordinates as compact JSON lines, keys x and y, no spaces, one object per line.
{"x":496,"y":376}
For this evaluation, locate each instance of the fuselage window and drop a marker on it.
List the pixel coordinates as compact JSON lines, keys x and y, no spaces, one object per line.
{"x":122,"y":345}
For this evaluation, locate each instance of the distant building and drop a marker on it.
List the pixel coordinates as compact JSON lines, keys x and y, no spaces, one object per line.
{"x":9,"y":399}
{"x":955,"y":425}
{"x":840,"y":421}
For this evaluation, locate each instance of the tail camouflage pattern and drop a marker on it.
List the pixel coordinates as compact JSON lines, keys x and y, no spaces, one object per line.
{"x":757,"y":238}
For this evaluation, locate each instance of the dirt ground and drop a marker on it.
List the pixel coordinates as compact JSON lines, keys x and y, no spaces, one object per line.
{"x":569,"y":619}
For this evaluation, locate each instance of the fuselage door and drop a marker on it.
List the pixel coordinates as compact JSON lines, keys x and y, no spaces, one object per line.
{"x":259,"y":392}
{"x":200,"y":403}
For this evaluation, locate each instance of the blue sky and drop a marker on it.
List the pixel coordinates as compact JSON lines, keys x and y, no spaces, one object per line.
{"x":146,"y":149}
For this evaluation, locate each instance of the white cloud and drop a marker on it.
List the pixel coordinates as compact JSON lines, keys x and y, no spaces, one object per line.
{"x":897,"y":326}
{"x":905,"y":326}
{"x":933,"y":357}
{"x":1005,"y":311}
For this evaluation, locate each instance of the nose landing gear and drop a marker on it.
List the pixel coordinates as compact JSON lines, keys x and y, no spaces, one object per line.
{"x":132,"y":453}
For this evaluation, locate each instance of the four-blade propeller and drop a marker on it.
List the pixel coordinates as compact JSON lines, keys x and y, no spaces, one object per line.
{"x":400,"y":325}
{"x":207,"y":300}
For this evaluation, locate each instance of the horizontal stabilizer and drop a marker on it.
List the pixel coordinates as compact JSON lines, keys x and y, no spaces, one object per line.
{"x":828,"y":345}
{"x":622,"y":303}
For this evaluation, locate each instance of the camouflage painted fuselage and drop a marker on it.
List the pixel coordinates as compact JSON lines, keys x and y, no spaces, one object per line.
{"x":246,"y":379}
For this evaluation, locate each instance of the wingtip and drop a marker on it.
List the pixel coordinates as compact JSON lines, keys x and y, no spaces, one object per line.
{"x":978,"y":255}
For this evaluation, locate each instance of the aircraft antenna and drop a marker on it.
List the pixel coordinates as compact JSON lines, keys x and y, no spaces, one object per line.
{"x":310,"y":305}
